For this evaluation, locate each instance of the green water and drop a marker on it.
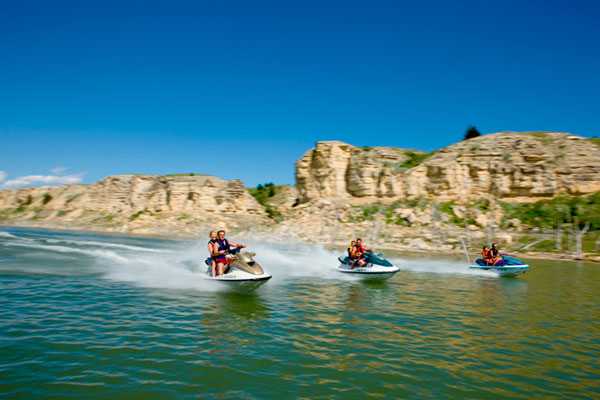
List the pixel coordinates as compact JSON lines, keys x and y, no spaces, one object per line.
{"x":87,"y":316}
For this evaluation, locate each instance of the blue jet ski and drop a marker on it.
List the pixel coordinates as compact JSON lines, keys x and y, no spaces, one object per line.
{"x":507,"y":266}
{"x":377,"y":267}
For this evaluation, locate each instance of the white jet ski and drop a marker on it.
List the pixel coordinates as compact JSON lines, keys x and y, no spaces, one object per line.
{"x":377,"y":267}
{"x":508,"y":266}
{"x":242,"y":273}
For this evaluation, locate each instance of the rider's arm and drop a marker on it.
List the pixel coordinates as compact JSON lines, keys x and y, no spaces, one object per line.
{"x":234,"y":244}
{"x":212,"y":251}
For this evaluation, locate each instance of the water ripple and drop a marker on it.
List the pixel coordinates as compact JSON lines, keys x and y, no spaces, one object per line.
{"x":427,"y":333}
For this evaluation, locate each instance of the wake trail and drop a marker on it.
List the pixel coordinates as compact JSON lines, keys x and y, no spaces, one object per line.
{"x":74,"y":250}
{"x":180,"y":265}
{"x":106,"y":244}
{"x":438,"y":267}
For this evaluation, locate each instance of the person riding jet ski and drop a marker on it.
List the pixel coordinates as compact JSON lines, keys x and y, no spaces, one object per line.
{"x":357,"y":255}
{"x":495,"y":256}
{"x":224,"y":250}
{"x":213,"y":252}
{"x":485,"y":255}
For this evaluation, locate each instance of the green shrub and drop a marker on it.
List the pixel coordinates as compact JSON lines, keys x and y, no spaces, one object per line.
{"x":559,"y":210}
{"x":471,"y":133}
{"x":274,"y":213}
{"x":262,"y":193}
{"x":481,"y":204}
{"x":446,"y":207}
{"x":136,"y":215}
{"x":595,"y":140}
{"x":47,"y":198}
{"x":24,"y":203}
{"x":413,"y":159}
{"x":369,"y":212}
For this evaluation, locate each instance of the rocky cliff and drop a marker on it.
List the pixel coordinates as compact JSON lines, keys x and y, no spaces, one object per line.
{"x":509,"y":166}
{"x":137,"y":204}
{"x":470,"y":192}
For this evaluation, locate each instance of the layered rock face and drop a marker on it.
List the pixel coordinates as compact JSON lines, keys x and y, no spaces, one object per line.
{"x":134,"y":203}
{"x":508,"y":166}
{"x":336,"y":169}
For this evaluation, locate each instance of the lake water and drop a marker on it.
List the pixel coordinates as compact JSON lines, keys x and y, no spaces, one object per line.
{"x":96,"y":316}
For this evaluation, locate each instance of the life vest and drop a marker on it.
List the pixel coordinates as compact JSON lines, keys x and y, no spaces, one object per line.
{"x":358,"y":251}
{"x":485,"y":253}
{"x":224,"y":245}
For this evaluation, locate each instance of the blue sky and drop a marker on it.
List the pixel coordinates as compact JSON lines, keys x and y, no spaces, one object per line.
{"x":242,"y":89}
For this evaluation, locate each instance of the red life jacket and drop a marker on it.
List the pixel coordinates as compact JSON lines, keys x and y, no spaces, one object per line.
{"x":360,"y":250}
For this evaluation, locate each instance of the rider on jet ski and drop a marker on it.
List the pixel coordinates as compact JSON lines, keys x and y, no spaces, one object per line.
{"x":213,"y":251}
{"x":491,"y":256}
{"x":222,"y":255}
{"x":357,"y":254}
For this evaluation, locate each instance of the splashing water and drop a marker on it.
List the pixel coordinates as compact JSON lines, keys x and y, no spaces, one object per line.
{"x":180,"y":264}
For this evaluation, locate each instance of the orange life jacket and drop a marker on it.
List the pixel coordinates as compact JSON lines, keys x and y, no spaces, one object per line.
{"x":486,"y":254}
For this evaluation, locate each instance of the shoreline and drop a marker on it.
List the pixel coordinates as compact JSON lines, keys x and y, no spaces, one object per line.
{"x":383,"y":248}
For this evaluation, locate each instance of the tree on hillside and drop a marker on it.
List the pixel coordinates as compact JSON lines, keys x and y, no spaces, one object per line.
{"x":471,"y":133}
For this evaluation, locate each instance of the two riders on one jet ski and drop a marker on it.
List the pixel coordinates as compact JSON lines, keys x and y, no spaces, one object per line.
{"x":356,"y":252}
{"x":491,"y":255}
{"x":221,"y":251}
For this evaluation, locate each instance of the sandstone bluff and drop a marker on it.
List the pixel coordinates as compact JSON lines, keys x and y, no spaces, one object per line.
{"x":517,"y":167}
{"x":137,"y":204}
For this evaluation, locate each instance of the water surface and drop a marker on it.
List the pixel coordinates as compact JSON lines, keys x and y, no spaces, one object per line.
{"x":94,"y":316}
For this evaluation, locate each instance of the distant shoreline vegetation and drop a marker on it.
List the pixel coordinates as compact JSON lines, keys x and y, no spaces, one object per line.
{"x":263,"y":193}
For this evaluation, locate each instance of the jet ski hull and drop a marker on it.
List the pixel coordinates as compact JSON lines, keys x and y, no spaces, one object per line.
{"x":240,"y":281}
{"x":243,"y":274}
{"x":370,"y":271}
{"x":377,"y":267}
{"x":506,"y":270}
{"x":508,"y":266}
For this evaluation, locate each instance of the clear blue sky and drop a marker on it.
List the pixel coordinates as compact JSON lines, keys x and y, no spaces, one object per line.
{"x":242,"y":89}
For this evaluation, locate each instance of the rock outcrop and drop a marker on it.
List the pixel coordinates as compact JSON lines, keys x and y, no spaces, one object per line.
{"x":509,"y":166}
{"x":335,"y":169}
{"x":137,"y":204}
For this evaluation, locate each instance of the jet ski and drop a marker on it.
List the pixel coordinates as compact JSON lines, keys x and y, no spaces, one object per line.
{"x":507,"y":266}
{"x":377,"y":267}
{"x":243,"y":272}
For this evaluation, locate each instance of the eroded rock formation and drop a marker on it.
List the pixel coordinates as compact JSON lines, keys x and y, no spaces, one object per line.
{"x":137,"y":203}
{"x":508,"y":166}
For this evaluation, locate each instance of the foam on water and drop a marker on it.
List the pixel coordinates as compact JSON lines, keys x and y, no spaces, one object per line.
{"x":106,"y":254}
{"x":439,"y":267}
{"x":105,"y":244}
{"x":7,"y":235}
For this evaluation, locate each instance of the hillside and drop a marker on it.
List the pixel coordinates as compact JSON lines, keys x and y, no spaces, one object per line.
{"x":470,"y":192}
{"x":178,"y":204}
